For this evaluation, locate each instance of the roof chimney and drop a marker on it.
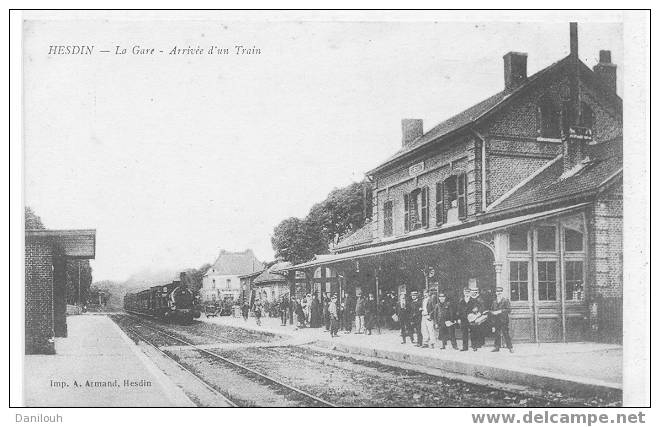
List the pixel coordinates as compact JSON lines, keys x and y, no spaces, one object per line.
{"x":574,"y":39}
{"x":515,"y":69}
{"x":411,"y":129}
{"x":574,"y":156}
{"x":605,"y":70}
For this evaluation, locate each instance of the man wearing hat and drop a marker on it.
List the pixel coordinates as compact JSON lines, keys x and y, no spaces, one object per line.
{"x":445,"y":318}
{"x":428,"y":310}
{"x":333,"y":315}
{"x":416,"y":317}
{"x":499,"y":311}
{"x":464,"y":308}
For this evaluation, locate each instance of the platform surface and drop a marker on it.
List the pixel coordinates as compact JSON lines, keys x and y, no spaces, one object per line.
{"x":97,"y":365}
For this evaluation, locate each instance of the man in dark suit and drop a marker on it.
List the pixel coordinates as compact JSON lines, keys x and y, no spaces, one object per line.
{"x":402,"y":311}
{"x":445,"y":318}
{"x":284,"y":309}
{"x":464,"y":308}
{"x":500,"y":309}
{"x":370,"y":319}
{"x":480,"y":330}
{"x":416,"y":316}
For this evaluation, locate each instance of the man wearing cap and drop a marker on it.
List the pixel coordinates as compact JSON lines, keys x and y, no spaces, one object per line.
{"x":416,"y":316}
{"x":464,"y":308}
{"x":499,"y":311}
{"x":445,"y":318}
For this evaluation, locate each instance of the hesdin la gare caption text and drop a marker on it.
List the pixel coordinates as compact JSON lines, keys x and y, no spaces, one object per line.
{"x":140,"y":50}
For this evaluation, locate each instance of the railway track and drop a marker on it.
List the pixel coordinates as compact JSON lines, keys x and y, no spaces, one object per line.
{"x":253,"y":374}
{"x":541,"y":398}
{"x":198,"y":378}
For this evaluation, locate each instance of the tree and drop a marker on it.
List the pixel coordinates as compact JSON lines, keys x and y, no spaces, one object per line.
{"x":32,"y":220}
{"x":296,"y":240}
{"x":344,"y":211}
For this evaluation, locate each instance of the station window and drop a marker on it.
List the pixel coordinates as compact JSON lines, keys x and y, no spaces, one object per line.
{"x":518,"y":280}
{"x":549,"y":118}
{"x":439,"y":203}
{"x":416,"y":210}
{"x":451,"y":194}
{"x":518,"y":240}
{"x":587,"y":118}
{"x":573,"y":240}
{"x":574,"y":278}
{"x":388,"y":228}
{"x":228,"y":283}
{"x":546,"y":239}
{"x":547,"y":274}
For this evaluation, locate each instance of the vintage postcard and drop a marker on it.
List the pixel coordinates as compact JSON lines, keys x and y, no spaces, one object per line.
{"x":325,"y":209}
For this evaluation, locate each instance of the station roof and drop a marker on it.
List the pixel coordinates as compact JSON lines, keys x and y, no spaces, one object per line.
{"x":74,"y":243}
{"x":604,"y":163}
{"x":486,"y":108}
{"x":428,"y":240}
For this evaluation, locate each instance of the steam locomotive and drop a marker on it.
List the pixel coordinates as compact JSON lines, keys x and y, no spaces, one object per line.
{"x":172,"y":302}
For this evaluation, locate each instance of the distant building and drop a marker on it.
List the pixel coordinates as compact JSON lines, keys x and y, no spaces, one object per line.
{"x":269,"y":286}
{"x":221,"y":281}
{"x":46,"y":254}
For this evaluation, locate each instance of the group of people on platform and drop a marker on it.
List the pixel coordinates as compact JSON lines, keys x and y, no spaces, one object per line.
{"x":470,"y":316}
{"x":427,"y":319}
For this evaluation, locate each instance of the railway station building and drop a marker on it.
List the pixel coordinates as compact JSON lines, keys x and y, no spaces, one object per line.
{"x":522,"y":191}
{"x":46,"y":253}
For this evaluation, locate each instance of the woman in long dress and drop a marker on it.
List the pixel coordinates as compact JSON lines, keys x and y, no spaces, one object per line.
{"x":315,"y":313}
{"x":300,"y":314}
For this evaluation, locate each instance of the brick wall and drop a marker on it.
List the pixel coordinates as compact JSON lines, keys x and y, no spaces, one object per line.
{"x":605,"y":220}
{"x":514,"y":151}
{"x":607,"y":124}
{"x":458,"y":157}
{"x":505,"y":172}
{"x":59,"y":295}
{"x":38,"y":297}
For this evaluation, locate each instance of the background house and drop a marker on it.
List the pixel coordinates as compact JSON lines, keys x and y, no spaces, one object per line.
{"x":221,"y":281}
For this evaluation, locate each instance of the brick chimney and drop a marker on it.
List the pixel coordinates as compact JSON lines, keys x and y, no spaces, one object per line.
{"x":605,"y":70}
{"x":515,"y":69}
{"x":411,"y":129}
{"x":572,"y":152}
{"x":574,"y":138}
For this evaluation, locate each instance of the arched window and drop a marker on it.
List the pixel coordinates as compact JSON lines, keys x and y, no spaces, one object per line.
{"x":416,"y":209}
{"x":587,"y":117}
{"x":549,"y":118}
{"x":451,"y":196}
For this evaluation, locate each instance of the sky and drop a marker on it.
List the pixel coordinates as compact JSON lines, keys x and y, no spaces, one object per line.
{"x":174,"y":157}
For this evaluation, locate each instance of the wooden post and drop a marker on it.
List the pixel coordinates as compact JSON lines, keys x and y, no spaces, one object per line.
{"x":291,"y":278}
{"x":562,"y":282}
{"x":376,"y":271}
{"x":340,"y":312}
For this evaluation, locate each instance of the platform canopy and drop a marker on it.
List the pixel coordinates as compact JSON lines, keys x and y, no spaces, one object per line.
{"x":79,"y":244}
{"x":428,"y":240}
